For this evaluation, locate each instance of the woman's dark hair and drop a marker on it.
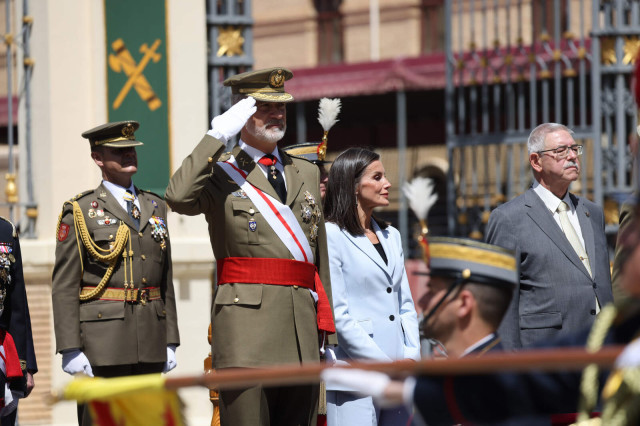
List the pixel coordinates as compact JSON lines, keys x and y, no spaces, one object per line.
{"x":344,"y":177}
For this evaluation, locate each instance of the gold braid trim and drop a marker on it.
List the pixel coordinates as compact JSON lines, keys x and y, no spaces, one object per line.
{"x":589,"y":383}
{"x":123,"y":235}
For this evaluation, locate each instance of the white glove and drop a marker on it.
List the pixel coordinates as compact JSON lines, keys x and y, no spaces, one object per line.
{"x":630,"y":356}
{"x":361,"y":382}
{"x":75,"y":361}
{"x":227,"y":125}
{"x":171,"y":359}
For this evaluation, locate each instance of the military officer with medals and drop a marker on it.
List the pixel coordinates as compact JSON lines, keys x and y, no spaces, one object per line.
{"x":272,"y":304}
{"x":113,"y":297}
{"x":16,"y":339}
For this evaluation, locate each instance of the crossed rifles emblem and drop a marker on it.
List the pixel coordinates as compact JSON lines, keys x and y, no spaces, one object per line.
{"x":123,"y":61}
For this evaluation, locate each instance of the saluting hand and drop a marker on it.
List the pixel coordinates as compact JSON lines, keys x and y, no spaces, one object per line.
{"x":227,"y":125}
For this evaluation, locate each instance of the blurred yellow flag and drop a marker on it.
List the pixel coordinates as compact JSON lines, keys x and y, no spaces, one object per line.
{"x":128,"y":401}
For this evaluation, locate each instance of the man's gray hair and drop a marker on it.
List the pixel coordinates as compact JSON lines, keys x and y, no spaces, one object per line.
{"x":537,"y":136}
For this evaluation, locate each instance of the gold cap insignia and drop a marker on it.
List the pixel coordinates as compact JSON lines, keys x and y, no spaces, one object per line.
{"x":276,"y":79}
{"x":128,"y":130}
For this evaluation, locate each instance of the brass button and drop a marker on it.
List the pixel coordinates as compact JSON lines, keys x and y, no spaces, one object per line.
{"x":210,"y":160}
{"x":143,"y":257}
{"x":140,"y":234}
{"x":99,"y":315}
{"x":164,"y":312}
{"x":111,"y":237}
{"x":295,"y":286}
{"x":144,"y":280}
{"x":251,"y":210}
{"x":236,"y":300}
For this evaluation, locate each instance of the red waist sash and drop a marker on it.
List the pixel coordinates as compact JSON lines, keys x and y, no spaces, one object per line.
{"x":11,"y":359}
{"x":252,"y":270}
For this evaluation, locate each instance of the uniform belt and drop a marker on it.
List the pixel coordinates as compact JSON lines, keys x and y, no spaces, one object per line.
{"x":274,"y":271}
{"x":134,"y":295}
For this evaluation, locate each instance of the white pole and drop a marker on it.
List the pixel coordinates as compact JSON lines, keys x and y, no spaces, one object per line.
{"x":374,"y":29}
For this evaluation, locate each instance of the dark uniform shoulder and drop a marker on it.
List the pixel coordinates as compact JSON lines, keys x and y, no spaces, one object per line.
{"x":6,"y":223}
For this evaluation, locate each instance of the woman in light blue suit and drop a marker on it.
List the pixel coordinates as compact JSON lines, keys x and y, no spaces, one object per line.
{"x":374,"y":313}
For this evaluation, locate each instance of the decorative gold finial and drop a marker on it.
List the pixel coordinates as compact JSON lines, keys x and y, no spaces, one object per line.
{"x":11,"y":190}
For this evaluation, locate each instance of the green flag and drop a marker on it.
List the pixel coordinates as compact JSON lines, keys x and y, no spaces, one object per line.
{"x":137,"y":85}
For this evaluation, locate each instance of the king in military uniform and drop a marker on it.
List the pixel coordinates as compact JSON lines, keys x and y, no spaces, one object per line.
{"x":268,"y":236}
{"x":113,"y":298}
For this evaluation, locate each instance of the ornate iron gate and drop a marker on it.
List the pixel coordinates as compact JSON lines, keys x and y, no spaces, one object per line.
{"x":512,"y":65}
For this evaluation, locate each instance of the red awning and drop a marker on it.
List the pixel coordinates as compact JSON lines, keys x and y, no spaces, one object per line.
{"x":368,"y":78}
{"x":4,"y":111}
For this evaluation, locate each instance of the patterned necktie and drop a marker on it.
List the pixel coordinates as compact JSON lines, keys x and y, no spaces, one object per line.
{"x":274,"y":176}
{"x":132,"y":209}
{"x":572,"y":236}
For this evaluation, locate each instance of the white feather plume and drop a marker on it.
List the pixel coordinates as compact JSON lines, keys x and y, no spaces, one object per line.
{"x":421,"y":196}
{"x":328,"y":112}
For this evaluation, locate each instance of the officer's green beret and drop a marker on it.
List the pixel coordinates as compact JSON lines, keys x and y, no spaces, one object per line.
{"x":264,"y":85}
{"x":119,"y":134}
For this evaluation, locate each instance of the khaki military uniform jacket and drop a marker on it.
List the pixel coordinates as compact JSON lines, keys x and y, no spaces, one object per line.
{"x":253,"y":324}
{"x":114,"y":332}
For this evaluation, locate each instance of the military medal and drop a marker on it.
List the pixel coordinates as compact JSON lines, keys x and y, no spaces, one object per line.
{"x":306,"y":213}
{"x":91,"y":213}
{"x":94,"y":204}
{"x":314,"y":232}
{"x":240,"y":194}
{"x":135,"y":212}
{"x":253,"y":225}
{"x":100,"y":213}
{"x":6,"y":259}
{"x":159,"y":230}
{"x":273,"y":172}
{"x":107,"y":221}
{"x":310,"y":198}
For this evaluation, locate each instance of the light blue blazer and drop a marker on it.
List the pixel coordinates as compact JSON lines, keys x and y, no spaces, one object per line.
{"x":374,"y":313}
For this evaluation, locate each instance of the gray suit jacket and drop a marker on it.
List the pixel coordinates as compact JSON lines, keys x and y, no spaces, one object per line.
{"x":556,"y":295}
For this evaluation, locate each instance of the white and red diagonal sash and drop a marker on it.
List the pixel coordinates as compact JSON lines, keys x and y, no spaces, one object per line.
{"x":279,"y":216}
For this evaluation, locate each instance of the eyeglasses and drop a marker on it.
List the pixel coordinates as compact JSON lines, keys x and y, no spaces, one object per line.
{"x":563,"y":151}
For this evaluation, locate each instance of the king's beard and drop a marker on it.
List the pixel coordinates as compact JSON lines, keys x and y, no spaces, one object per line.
{"x":265,"y":134}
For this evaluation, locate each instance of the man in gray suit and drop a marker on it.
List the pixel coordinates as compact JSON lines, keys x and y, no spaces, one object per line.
{"x":560,"y":243}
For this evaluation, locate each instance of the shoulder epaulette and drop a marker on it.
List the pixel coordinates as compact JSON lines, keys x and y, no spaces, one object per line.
{"x":14,"y":232}
{"x":146,"y":191}
{"x":80,"y":195}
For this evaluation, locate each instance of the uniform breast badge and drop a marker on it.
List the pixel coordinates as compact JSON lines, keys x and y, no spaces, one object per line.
{"x":135,"y":212}
{"x":159,"y":230}
{"x":240,"y":194}
{"x":306,"y":213}
{"x":253,"y":225}
{"x":91,"y":213}
{"x":311,"y":213}
{"x":6,"y":259}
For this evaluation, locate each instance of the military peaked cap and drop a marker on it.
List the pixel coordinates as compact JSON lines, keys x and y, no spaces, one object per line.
{"x":264,"y":85}
{"x":119,"y":134}
{"x":312,"y":151}
{"x":474,"y":261}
